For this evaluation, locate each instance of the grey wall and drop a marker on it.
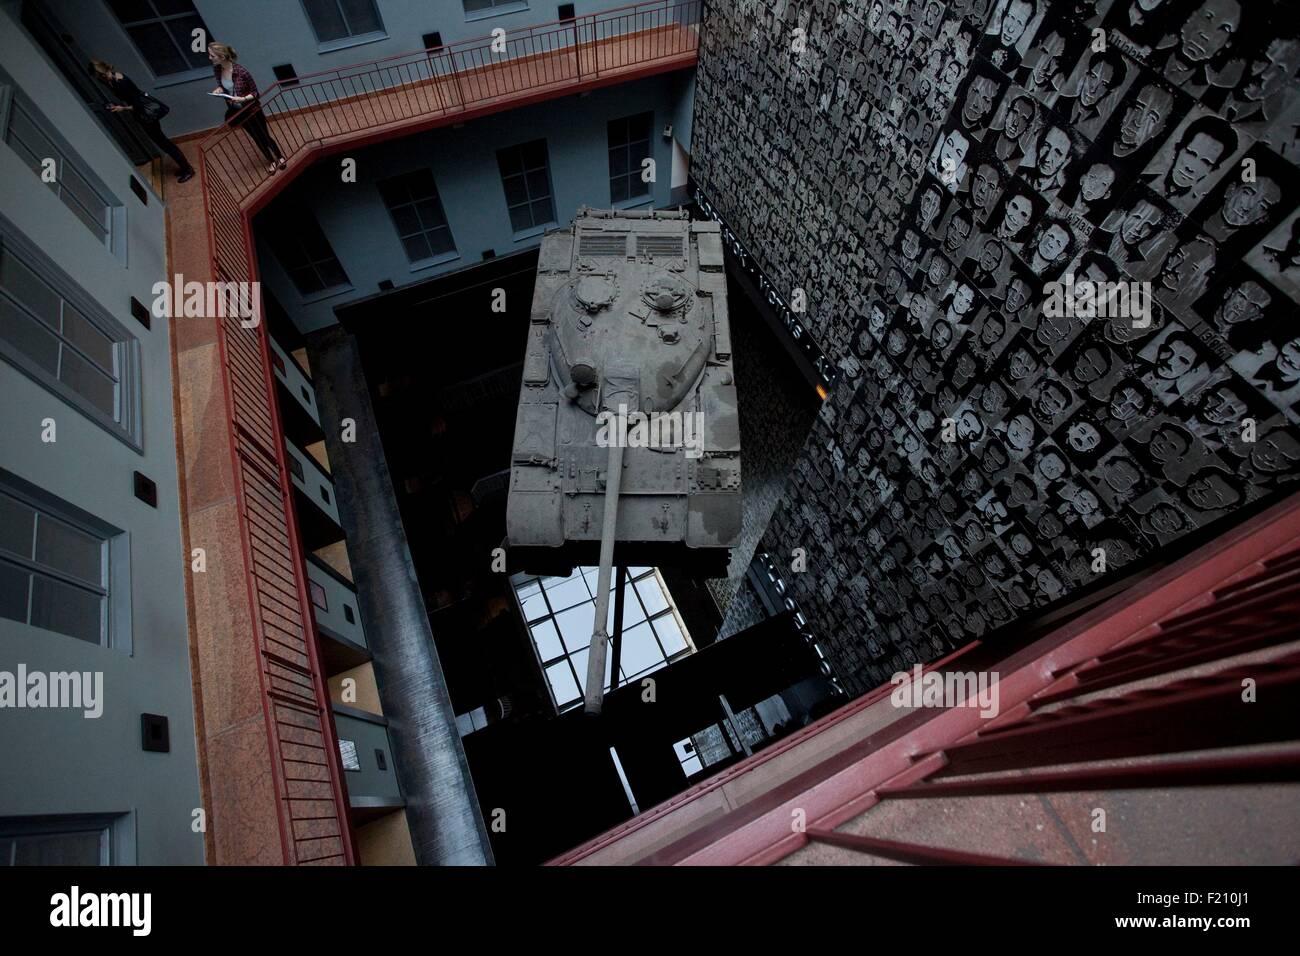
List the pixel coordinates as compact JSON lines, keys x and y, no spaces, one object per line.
{"x":267,"y":33}
{"x":463,"y":160}
{"x":1075,"y":434}
{"x":56,"y":761}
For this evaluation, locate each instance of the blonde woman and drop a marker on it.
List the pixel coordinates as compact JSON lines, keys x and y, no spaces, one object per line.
{"x":147,"y":111}
{"x":237,"y":85}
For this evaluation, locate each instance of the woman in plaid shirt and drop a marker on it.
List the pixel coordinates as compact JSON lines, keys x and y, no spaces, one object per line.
{"x":235,"y":81}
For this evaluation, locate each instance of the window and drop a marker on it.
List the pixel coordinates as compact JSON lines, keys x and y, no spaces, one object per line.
{"x":560,"y":613}
{"x":54,"y":333}
{"x":31,"y":137}
{"x":629,"y":145}
{"x":413,"y":202}
{"x":498,"y":6}
{"x":318,"y":596}
{"x":73,"y":841}
{"x":335,"y":20}
{"x":306,"y":254}
{"x":527,"y":182}
{"x":163,"y":32}
{"x":53,"y":573}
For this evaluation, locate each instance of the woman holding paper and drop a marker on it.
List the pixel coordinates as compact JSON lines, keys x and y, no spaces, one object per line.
{"x":237,"y":87}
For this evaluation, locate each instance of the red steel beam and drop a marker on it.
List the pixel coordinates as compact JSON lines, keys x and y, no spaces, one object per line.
{"x":1207,"y":772}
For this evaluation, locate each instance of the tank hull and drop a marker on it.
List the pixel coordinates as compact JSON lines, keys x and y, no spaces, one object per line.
{"x":629,"y":343}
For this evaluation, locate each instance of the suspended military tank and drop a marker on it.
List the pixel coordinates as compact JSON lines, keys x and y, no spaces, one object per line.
{"x":627,"y":441}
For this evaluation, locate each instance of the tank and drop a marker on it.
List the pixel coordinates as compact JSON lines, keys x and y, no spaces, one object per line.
{"x":628,"y":361}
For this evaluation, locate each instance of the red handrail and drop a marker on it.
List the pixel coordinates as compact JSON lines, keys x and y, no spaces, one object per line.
{"x":381,"y":99}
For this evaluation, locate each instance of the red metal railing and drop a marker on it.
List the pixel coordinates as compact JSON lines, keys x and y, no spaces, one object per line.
{"x":1172,"y":650}
{"x":418,"y":89}
{"x":336,"y":108}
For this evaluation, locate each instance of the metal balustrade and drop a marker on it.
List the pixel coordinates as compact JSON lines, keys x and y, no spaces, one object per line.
{"x":452,"y":81}
{"x":309,"y":117}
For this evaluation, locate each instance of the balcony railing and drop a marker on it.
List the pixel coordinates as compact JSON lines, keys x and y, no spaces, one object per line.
{"x":461,"y":78}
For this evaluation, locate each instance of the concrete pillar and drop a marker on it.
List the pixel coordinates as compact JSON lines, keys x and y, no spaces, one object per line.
{"x":441,"y":806}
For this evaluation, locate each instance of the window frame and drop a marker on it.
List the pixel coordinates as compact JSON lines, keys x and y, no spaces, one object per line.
{"x":536,"y":228}
{"x":163,"y":79}
{"x":351,"y":39}
{"x":643,"y":574}
{"x":437,"y":258}
{"x":633,"y":175}
{"x":14,"y":100}
{"x":126,"y":424}
{"x":275,"y":238}
{"x":114,"y":841}
{"x":115,"y":618}
{"x":495,"y":8}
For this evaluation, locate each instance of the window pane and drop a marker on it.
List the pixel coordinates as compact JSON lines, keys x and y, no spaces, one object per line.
{"x":417,"y":248}
{"x":430,"y":213}
{"x":547,"y":639}
{"x":94,"y":343}
{"x":618,"y":161}
{"x":29,"y":337}
{"x":24,"y":127}
{"x":169,"y":7}
{"x":156,"y":46}
{"x":618,"y":189}
{"x":89,"y":382}
{"x":306,"y":280}
{"x":542,"y":212}
{"x":652,"y":595}
{"x":565,"y":593}
{"x":332,"y":274}
{"x":66,"y":609}
{"x":472,"y":5}
{"x":130,"y":10}
{"x":670,"y":635}
{"x":326,"y":20}
{"x":20,"y":282}
{"x":538,"y":184}
{"x":535,"y":154}
{"x":440,"y":241}
{"x":516,"y":191}
{"x":93,"y":223}
{"x":638,"y":127}
{"x":640,"y":651}
{"x":14,"y":582}
{"x":53,"y":849}
{"x":182,"y":31}
{"x":362,"y":16}
{"x":563,"y":685}
{"x":16,"y":523}
{"x":575,"y":626}
{"x":65,"y":548}
{"x":406,"y":220}
{"x":534,"y":607}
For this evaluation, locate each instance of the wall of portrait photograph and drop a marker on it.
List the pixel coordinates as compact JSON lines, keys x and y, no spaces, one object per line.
{"x":928,"y":172}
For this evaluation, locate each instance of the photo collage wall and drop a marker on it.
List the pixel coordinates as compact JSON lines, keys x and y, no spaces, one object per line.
{"x":928,"y":173}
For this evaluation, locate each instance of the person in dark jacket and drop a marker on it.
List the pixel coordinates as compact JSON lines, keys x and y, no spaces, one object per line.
{"x":145,"y":109}
{"x":238,"y":85}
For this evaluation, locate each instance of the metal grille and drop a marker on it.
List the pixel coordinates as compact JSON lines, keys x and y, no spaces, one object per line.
{"x":661,"y":247}
{"x":598,"y":244}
